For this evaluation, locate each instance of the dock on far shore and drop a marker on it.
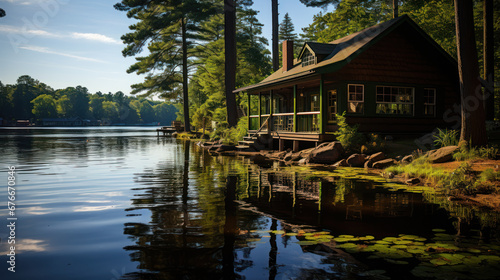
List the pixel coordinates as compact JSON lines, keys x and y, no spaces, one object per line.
{"x":169,"y":130}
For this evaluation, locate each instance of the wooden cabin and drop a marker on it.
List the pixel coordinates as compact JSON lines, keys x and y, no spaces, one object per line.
{"x":391,"y":78}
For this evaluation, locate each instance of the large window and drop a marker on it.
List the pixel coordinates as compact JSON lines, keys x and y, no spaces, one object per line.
{"x":355,"y":102}
{"x":429,"y":101}
{"x":394,"y":100}
{"x":332,"y":104}
{"x":308,"y":59}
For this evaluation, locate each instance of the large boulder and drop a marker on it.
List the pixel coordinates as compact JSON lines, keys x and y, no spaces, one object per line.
{"x":341,"y":163}
{"x":377,"y":157}
{"x":381,"y":164}
{"x":224,"y":148}
{"x":443,"y":154}
{"x":369,"y":163}
{"x":407,"y":159}
{"x":356,"y":160}
{"x":326,"y":153}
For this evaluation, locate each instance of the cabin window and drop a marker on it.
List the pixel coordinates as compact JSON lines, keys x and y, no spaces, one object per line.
{"x":315,"y":102}
{"x":394,"y":100}
{"x":332,"y":104}
{"x":430,"y":101}
{"x":308,"y":59}
{"x":355,"y":102}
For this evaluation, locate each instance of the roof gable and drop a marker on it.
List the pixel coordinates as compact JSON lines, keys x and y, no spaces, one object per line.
{"x":341,"y":51}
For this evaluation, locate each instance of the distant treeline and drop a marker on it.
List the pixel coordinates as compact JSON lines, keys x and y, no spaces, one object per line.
{"x":32,"y":100}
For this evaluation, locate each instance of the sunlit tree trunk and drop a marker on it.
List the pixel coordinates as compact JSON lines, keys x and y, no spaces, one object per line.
{"x":230,"y":57}
{"x":473,"y":117}
{"x":185,"y":95}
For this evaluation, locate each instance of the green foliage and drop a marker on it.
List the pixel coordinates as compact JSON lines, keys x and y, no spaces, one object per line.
{"x":348,"y":135}
{"x":44,"y":106}
{"x":474,"y":153}
{"x":70,"y":102}
{"x":232,"y":135}
{"x":287,"y":30}
{"x":446,"y":138}
{"x":374,"y":144}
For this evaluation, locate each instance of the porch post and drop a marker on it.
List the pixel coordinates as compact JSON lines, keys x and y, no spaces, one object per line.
{"x":271,"y":123}
{"x":321,"y":106}
{"x":248,"y":110}
{"x":260,"y":109}
{"x":294,"y":108}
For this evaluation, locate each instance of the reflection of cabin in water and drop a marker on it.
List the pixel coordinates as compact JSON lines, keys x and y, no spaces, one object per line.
{"x":388,"y":78}
{"x":344,"y":199}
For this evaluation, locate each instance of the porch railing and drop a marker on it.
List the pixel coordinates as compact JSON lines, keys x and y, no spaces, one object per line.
{"x":284,"y":122}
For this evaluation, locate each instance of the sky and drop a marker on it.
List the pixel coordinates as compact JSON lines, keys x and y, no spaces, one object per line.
{"x":66,"y":43}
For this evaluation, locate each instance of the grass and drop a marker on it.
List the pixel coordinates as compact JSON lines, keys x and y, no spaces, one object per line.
{"x":462,"y":180}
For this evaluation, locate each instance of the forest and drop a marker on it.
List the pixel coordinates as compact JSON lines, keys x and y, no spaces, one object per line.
{"x":30,"y":99}
{"x":194,"y":38}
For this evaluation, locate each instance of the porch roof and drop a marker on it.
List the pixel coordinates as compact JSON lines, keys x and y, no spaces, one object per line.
{"x":340,"y":52}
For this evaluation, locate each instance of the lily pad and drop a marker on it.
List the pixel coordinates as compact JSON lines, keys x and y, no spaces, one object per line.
{"x":307,"y":242}
{"x":397,"y":262}
{"x":438,"y":230}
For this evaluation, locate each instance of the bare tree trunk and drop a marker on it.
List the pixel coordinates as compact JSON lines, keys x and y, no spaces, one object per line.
{"x":276,"y":51}
{"x":473,"y":117}
{"x":395,"y":11}
{"x":230,"y":57}
{"x":488,"y":58}
{"x":185,"y":94}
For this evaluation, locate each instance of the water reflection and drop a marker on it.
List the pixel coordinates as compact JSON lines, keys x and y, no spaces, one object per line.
{"x":223,"y":218}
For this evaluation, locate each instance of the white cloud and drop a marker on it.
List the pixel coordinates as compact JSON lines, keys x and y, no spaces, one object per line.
{"x":48,"y":51}
{"x":28,"y":33}
{"x":94,"y":37}
{"x":26,"y":2}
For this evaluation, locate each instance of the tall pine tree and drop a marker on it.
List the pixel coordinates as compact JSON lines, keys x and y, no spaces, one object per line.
{"x":287,"y":30}
{"x":170,"y":29}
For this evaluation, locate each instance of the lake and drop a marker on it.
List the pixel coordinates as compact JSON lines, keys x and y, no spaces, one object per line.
{"x":121,"y":203}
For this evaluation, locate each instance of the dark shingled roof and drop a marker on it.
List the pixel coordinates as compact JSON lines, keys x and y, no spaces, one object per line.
{"x":339,"y":52}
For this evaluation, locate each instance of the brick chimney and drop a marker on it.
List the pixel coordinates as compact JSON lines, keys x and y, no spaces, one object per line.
{"x":287,"y":55}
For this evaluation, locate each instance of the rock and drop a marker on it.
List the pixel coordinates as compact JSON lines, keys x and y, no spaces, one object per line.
{"x":407,"y":159}
{"x":325,"y":153}
{"x":369,"y":163}
{"x":291,"y":156}
{"x":381,"y":164}
{"x":341,"y":163}
{"x":412,"y":181}
{"x":214,"y":147}
{"x":377,"y":157}
{"x":443,"y":154}
{"x":259,"y":159}
{"x":225,"y":148}
{"x":356,"y":160}
{"x":302,"y":161}
{"x":390,"y":175}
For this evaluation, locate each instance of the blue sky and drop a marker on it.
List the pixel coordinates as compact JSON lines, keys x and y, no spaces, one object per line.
{"x":70,"y":42}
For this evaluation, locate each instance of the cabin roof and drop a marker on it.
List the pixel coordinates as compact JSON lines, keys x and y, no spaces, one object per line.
{"x":339,"y":52}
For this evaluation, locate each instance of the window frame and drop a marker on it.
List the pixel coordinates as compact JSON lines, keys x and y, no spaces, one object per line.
{"x":412,"y":102}
{"x":332,"y":113}
{"x":308,"y":59}
{"x":362,"y":101}
{"x":430,"y":104}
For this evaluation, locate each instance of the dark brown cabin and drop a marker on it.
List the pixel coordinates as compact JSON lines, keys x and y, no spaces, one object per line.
{"x":391,"y":78}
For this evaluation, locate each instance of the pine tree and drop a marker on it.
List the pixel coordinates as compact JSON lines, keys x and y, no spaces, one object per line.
{"x":170,"y":29}
{"x":287,"y":30}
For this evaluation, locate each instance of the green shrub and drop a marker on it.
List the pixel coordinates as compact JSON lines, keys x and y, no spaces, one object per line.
{"x":348,"y":135}
{"x":232,"y":135}
{"x":446,"y":138}
{"x":473,"y":153}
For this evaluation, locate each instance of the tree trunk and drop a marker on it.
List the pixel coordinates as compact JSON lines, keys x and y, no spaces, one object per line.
{"x":230,"y":57}
{"x":395,"y":10}
{"x":276,"y":51}
{"x":185,"y":95}
{"x":473,"y":118}
{"x":488,"y":58}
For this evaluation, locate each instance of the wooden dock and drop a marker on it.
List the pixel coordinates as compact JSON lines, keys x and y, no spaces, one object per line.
{"x":169,"y":130}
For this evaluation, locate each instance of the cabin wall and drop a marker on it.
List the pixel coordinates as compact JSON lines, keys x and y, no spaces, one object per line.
{"x":398,"y":59}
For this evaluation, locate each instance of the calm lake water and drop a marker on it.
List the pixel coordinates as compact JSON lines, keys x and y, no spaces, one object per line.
{"x":120,"y":203}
